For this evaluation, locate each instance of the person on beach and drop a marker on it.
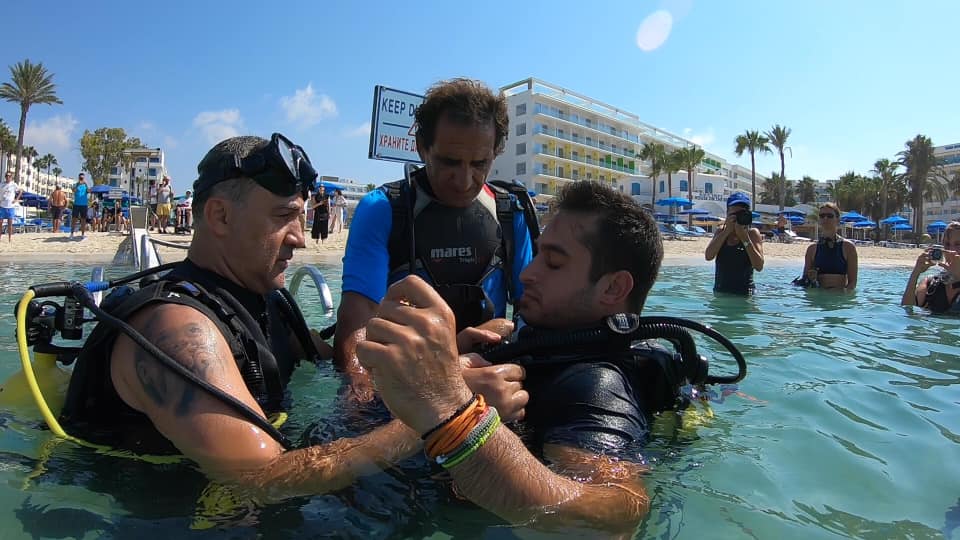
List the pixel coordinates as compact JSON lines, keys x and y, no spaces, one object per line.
{"x":939,"y":293}
{"x":320,"y":204}
{"x":737,"y":247}
{"x":470,"y":239}
{"x":164,"y":202}
{"x":831,"y":263}
{"x":10,"y":194}
{"x":338,"y":208}
{"x":79,"y":206}
{"x":58,"y":203}
{"x":152,"y":203}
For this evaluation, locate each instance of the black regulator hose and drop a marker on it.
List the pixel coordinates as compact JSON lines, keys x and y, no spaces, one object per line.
{"x":83,"y":295}
{"x":602,"y":338}
{"x":299,"y":326}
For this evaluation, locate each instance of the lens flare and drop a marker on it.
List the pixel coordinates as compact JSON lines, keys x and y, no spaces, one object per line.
{"x":654,"y":30}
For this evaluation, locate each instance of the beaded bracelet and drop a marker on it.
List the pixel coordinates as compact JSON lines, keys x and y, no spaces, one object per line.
{"x":450,"y":418}
{"x":478,"y":437}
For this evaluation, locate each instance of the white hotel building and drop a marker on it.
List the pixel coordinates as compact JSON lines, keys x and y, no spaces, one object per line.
{"x":38,"y":181}
{"x":558,"y":136}
{"x":144,"y":164}
{"x":949,"y":155}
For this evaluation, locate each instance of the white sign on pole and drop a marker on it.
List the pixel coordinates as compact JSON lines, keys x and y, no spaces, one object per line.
{"x":392,"y":132}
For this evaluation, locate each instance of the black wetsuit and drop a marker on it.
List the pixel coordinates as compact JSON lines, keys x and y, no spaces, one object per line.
{"x":734,"y":271}
{"x":260,"y":346}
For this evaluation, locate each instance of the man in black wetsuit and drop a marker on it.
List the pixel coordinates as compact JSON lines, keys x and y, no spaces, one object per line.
{"x":212,"y":316}
{"x":587,"y":416}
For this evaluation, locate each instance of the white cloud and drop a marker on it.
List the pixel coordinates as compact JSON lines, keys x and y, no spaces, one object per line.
{"x":219,"y":125}
{"x":363,"y":130}
{"x":704,"y":139}
{"x":52,"y":134}
{"x":169,"y":143}
{"x":307,"y":108}
{"x":145,"y":126}
{"x":654,"y":30}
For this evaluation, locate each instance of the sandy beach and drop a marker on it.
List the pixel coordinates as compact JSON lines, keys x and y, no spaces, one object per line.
{"x":101,"y":247}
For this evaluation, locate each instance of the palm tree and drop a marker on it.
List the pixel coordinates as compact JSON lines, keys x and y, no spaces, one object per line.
{"x":7,"y":143}
{"x":807,"y":190}
{"x":886,"y":174}
{"x":778,"y":136}
{"x":753,"y":142}
{"x":655,"y":154}
{"x":58,"y":171}
{"x":924,"y":177}
{"x":28,"y":153}
{"x":31,"y":84}
{"x":671,"y":165}
{"x":776,"y":189}
{"x":49,"y":160}
{"x":689,"y":159}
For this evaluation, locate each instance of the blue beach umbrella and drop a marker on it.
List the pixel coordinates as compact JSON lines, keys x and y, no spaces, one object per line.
{"x":902,"y":227}
{"x":936,"y":226}
{"x":708,"y":218}
{"x":674,"y":201}
{"x":101,"y":188}
{"x":852,"y":217}
{"x":894,"y":220}
{"x":694,"y":212}
{"x":866,"y":224}
{"x":791,"y":213}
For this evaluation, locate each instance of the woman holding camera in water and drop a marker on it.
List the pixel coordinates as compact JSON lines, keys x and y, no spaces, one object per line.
{"x":738,"y":248}
{"x":939,"y":293}
{"x":831,"y":263}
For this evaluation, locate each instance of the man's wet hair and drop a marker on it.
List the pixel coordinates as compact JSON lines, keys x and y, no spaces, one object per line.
{"x":625,"y":237}
{"x":463,"y":101}
{"x":222,"y":156}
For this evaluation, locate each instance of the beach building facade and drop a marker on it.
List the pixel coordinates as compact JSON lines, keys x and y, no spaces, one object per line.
{"x":140,"y":166}
{"x":558,"y":136}
{"x":949,"y":210}
{"x":39,"y":181}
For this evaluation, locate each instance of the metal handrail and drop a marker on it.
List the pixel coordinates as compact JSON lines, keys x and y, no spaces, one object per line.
{"x":326,"y":298}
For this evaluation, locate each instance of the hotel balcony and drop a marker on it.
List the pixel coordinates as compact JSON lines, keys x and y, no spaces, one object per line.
{"x":559,"y":135}
{"x":558,"y":153}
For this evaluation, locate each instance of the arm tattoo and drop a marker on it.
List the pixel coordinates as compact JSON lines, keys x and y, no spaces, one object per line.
{"x":194,"y":347}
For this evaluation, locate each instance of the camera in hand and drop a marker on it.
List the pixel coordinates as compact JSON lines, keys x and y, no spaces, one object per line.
{"x":744,"y":218}
{"x":936,"y":253}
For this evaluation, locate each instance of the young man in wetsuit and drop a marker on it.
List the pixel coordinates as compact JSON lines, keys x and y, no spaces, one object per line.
{"x":598,"y":257}
{"x":737,"y":247}
{"x":462,"y":127}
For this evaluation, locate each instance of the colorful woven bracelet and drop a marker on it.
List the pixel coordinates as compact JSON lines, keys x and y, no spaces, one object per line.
{"x":458,"y":430}
{"x":484,"y":432}
{"x":450,"y":418}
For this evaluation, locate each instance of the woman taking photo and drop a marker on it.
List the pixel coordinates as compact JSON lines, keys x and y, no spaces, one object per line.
{"x":832,"y":261}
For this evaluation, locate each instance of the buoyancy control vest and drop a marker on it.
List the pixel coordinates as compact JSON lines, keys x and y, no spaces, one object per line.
{"x":457,"y":248}
{"x":256,"y":328}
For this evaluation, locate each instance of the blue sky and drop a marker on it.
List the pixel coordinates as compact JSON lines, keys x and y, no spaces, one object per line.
{"x":853,"y":79}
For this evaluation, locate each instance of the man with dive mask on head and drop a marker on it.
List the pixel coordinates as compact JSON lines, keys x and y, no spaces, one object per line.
{"x":738,"y":248}
{"x":214,"y":341}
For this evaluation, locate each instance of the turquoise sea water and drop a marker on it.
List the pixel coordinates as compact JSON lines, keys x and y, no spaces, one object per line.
{"x":847,"y":426}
